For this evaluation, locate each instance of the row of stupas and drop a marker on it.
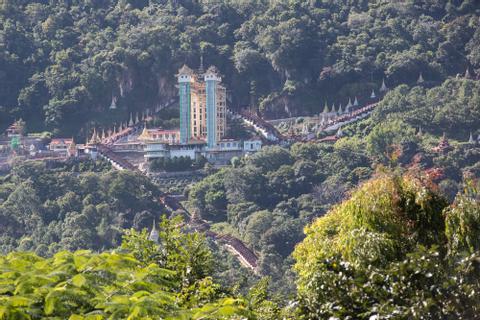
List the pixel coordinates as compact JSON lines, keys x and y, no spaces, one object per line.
{"x":351,"y":105}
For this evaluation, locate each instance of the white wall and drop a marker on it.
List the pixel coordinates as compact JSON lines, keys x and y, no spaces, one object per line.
{"x":252,"y":145}
{"x":183,"y":153}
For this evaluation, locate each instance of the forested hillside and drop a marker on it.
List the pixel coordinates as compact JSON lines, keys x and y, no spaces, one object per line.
{"x":51,"y":209}
{"x":62,"y":62}
{"x":393,"y":249}
{"x":380,"y":220}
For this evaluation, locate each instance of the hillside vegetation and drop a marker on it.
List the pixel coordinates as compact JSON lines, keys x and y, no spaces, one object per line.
{"x":46,"y":210}
{"x":62,"y":62}
{"x":269,"y":197}
{"x":393,"y":249}
{"x":381,"y":223}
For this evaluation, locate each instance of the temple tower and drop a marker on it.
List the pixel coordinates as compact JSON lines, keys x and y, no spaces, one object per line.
{"x":212,"y":80}
{"x":184,"y":80}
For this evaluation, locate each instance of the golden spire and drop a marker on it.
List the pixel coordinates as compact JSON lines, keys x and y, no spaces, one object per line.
{"x":144,"y":135}
{"x":94,"y":139}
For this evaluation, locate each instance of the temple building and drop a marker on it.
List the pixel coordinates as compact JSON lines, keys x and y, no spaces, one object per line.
{"x":60,"y":145}
{"x":202,"y":132}
{"x":443,"y":145}
{"x":203,"y":123}
{"x":203,"y":114}
{"x":159,"y":135}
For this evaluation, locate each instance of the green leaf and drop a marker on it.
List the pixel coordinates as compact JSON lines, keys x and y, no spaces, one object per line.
{"x":80,"y":260}
{"x":50,"y":302}
{"x":78,"y":280}
{"x":19,"y":301}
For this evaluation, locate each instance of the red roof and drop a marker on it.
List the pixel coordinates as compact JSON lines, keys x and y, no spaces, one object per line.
{"x":58,"y":141}
{"x":161,"y":131}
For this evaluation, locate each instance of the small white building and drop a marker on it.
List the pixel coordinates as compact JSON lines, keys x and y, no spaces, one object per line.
{"x":229,"y":145}
{"x":155,"y":150}
{"x":221,"y":154}
{"x":253,"y":145}
{"x":60,"y":145}
{"x":183,"y":152}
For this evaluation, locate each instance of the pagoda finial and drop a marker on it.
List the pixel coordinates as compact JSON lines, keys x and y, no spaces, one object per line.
{"x":154,"y":235}
{"x":355,"y":102}
{"x":325,"y":109}
{"x":467,"y":74}
{"x":373,"y":95}
{"x":94,"y":139}
{"x":144,"y":135}
{"x":420,"y":132}
{"x":383,"y":88}
{"x":113,"y":104}
{"x":130,"y":122}
{"x":201,"y":69}
{"x":340,"y":110}
{"x":136,"y":118}
{"x":103,"y":137}
{"x":420,"y":79}
{"x":333,"y":108}
{"x":349,"y":104}
{"x":471,"y":140}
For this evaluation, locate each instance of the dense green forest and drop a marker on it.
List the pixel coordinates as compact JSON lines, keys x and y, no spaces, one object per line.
{"x":50,"y":209}
{"x":267,"y":198}
{"x":394,"y":249}
{"x":380,"y":224}
{"x":61,"y":62}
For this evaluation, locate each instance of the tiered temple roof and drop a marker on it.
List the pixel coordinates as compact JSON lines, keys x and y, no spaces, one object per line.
{"x":443,"y":145}
{"x":185,"y":70}
{"x":94,"y":139}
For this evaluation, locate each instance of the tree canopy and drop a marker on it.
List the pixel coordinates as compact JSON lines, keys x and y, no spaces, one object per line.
{"x":64,"y":62}
{"x":394,"y":248}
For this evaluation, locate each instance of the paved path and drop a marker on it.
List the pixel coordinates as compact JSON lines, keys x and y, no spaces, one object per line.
{"x":246,"y":256}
